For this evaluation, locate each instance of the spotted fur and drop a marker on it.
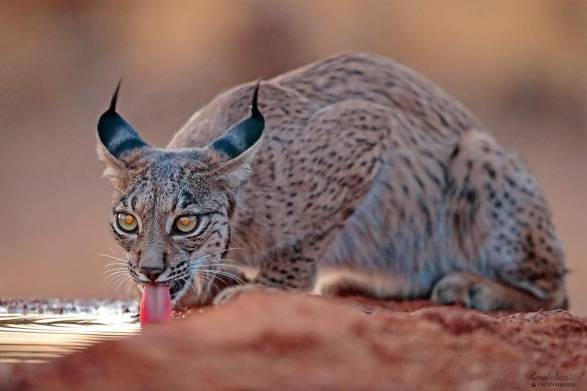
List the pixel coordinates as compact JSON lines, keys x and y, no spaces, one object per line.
{"x":365,"y":168}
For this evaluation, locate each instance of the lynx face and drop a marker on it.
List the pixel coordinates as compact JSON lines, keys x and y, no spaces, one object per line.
{"x":171,"y":208}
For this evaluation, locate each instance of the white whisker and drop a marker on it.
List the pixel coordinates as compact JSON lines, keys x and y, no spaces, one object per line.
{"x":118,"y":264}
{"x":113,"y":257}
{"x":202,"y":257}
{"x":110,"y":273}
{"x":215,"y":273}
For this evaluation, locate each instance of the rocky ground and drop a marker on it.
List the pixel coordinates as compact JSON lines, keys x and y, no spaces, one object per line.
{"x":279,"y":341}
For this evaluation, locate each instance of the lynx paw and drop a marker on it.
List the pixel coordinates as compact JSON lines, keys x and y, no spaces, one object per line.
{"x":231,"y":293}
{"x":466,"y":289}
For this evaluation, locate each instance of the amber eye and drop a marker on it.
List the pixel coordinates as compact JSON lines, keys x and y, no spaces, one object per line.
{"x":126,"y":222}
{"x":186,"y":224}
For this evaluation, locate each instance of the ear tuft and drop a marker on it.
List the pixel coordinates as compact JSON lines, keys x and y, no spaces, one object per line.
{"x":254,"y":108}
{"x":116,"y":135}
{"x":114,"y":99}
{"x":243,"y":135}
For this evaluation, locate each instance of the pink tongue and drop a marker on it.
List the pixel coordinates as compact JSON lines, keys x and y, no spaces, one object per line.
{"x":155,"y":304}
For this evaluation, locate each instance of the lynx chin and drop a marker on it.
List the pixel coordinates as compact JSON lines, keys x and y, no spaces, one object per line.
{"x":355,"y":168}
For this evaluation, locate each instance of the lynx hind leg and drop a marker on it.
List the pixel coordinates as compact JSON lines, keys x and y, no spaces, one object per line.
{"x":474,"y":291}
{"x":503,"y":230}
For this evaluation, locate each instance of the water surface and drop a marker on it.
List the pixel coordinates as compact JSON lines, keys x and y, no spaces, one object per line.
{"x":38,"y":331}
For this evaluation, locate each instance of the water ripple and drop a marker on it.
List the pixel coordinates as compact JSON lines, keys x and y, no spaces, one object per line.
{"x":37,"y":338}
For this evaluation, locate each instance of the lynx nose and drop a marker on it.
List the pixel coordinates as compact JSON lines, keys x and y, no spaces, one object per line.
{"x":151,"y":272}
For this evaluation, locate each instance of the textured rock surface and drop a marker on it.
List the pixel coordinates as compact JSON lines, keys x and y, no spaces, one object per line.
{"x":270,"y":341}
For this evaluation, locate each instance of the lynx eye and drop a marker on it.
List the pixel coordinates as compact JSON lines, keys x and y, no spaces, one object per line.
{"x":126,"y":222}
{"x":186,"y":224}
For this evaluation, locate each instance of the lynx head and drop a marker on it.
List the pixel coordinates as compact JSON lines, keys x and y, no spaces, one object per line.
{"x":171,"y":208}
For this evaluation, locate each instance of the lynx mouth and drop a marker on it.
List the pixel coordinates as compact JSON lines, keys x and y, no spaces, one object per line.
{"x":176,"y":287}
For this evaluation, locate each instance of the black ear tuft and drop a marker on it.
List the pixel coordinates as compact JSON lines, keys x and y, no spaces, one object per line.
{"x":117,"y":135}
{"x":254,"y":108}
{"x":114,"y":99}
{"x":244,"y":134}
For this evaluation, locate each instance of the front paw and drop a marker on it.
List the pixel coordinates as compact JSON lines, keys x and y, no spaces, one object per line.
{"x":231,"y":293}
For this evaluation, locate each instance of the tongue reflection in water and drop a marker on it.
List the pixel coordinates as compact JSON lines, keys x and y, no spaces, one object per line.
{"x":155,"y":304}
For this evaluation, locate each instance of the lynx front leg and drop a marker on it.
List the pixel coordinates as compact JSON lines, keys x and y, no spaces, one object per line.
{"x":323,"y":177}
{"x":285,"y":269}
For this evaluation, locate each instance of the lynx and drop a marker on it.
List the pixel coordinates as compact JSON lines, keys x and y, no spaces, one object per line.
{"x":353,"y":165}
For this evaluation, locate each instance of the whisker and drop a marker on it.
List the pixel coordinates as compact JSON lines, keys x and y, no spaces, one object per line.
{"x":218,"y":252}
{"x":114,"y":264}
{"x":210,"y":281}
{"x":116,"y":267}
{"x":112,"y":276}
{"x":221,"y":262}
{"x":115,"y":281}
{"x":232,"y":276}
{"x":111,"y":273}
{"x":118,"y":264}
{"x":113,"y":257}
{"x":119,"y":283}
{"x":221,"y":271}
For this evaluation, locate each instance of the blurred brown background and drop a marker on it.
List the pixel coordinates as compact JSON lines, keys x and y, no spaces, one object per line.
{"x":520,"y":65}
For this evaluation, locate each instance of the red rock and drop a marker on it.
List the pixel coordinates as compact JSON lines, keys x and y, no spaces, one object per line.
{"x":279,"y":341}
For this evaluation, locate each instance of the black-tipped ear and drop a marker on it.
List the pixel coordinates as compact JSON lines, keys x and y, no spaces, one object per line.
{"x":115,"y":134}
{"x":242,"y":135}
